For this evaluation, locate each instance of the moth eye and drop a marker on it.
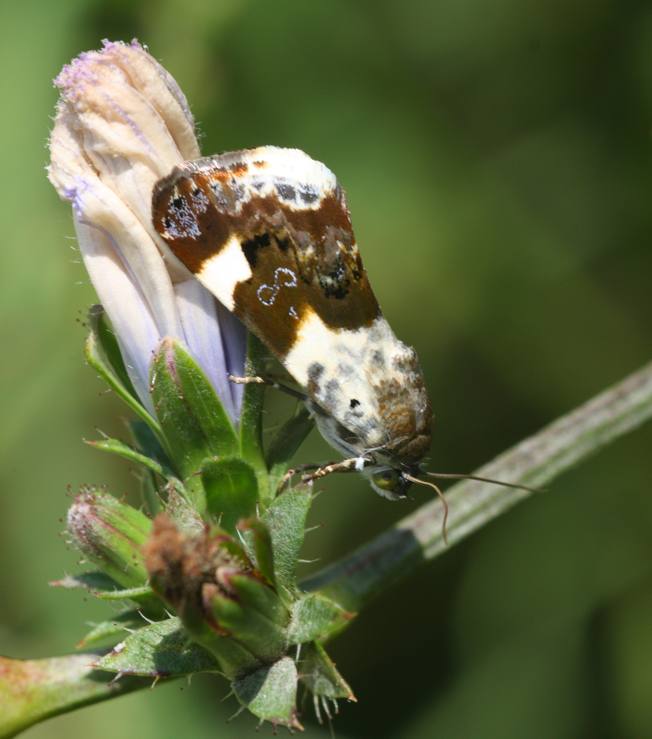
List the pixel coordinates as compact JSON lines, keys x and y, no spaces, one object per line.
{"x":354,"y":403}
{"x":387,"y":479}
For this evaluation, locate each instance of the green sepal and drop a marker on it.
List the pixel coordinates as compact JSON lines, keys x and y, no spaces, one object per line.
{"x":92,"y":582}
{"x":192,"y":418}
{"x":261,"y":636}
{"x":149,"y":491}
{"x":251,"y":414}
{"x":113,"y":631}
{"x":103,"y":587}
{"x":233,"y":658}
{"x":254,"y":594}
{"x":270,"y":693}
{"x":148,"y":444}
{"x":231,"y":489}
{"x":319,"y":675}
{"x":315,"y":617}
{"x":184,"y":515}
{"x":115,"y":446}
{"x":286,"y":521}
{"x":161,"y":649}
{"x":258,"y":540}
{"x":108,"y":343}
{"x":285,"y":443}
{"x":103,"y":355}
{"x":141,"y":594}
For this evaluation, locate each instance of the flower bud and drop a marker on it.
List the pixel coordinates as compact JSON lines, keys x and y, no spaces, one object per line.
{"x":121,"y":124}
{"x":212,"y":585}
{"x":111,"y":535}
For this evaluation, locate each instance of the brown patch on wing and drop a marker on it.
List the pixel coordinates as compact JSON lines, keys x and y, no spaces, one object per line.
{"x":406,"y":414}
{"x":300,"y":257}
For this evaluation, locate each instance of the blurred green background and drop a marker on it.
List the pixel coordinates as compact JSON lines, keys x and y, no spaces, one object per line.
{"x":498,"y":161}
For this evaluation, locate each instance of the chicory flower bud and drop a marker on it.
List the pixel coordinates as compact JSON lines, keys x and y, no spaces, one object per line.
{"x":121,"y":124}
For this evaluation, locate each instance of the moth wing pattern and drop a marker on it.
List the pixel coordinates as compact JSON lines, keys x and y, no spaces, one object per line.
{"x":268,"y":232}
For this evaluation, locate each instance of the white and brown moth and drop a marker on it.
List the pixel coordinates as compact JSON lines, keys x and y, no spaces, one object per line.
{"x":268,"y":232}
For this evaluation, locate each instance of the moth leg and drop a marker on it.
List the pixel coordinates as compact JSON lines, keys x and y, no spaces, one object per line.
{"x":299,"y":469}
{"x":258,"y":380}
{"x":354,"y":464}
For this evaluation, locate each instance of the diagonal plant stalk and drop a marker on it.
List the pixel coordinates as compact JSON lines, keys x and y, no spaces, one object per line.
{"x":33,"y":690}
{"x":535,"y":461}
{"x":36,"y":689}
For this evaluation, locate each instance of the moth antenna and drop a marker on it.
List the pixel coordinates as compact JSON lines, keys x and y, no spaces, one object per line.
{"x":456,"y":476}
{"x":441,"y":497}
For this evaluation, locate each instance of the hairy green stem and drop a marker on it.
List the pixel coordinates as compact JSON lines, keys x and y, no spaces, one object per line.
{"x":33,"y":690}
{"x":354,"y":580}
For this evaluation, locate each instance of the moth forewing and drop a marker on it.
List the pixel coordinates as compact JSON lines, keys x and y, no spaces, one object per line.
{"x":268,"y":232}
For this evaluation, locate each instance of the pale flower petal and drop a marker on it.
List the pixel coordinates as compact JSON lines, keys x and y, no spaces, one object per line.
{"x":122,"y":123}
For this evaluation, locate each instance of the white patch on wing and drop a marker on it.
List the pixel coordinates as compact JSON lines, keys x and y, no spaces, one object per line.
{"x":288,"y":174}
{"x":346,"y":366}
{"x":223,"y":271}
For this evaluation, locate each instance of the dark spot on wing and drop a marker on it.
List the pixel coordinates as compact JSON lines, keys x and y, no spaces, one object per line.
{"x":354,"y":403}
{"x":251,"y":247}
{"x":315,"y":371}
{"x":287,"y":192}
{"x":378,"y":359}
{"x":309,"y":195}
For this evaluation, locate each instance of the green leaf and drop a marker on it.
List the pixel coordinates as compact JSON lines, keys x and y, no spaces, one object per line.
{"x":149,"y":490}
{"x":254,"y":594}
{"x":103,"y":587}
{"x":110,"y":632}
{"x":315,"y":617}
{"x":261,"y":636}
{"x":159,"y":650}
{"x":148,"y":444}
{"x":193,"y":420}
{"x":286,"y":521}
{"x":251,"y":415}
{"x":319,"y":675}
{"x":270,"y":693}
{"x":286,"y":442}
{"x":259,"y":546}
{"x":109,"y":346}
{"x":93,"y":582}
{"x":114,"y":446}
{"x":101,"y":353}
{"x":141,"y":594}
{"x":231,"y":491}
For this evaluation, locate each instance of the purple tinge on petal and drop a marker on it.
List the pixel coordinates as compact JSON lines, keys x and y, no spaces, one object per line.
{"x":124,"y":304}
{"x":234,"y":341}
{"x":212,"y":340}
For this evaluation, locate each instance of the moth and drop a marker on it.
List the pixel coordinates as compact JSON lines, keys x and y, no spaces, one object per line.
{"x":268,"y":232}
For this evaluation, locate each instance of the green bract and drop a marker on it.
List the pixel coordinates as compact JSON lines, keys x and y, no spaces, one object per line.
{"x":208,"y":575}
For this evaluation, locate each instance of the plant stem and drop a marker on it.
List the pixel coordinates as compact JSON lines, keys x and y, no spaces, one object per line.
{"x":32,"y":690}
{"x":354,"y":580}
